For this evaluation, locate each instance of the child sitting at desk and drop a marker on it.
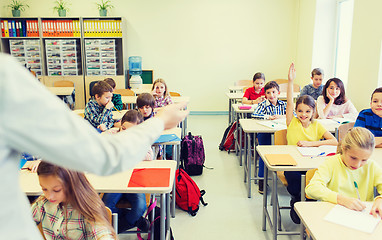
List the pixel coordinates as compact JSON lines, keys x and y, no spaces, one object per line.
{"x":129,"y":218}
{"x":333,"y":103}
{"x":255,"y":94}
{"x":315,"y":88}
{"x":302,"y":131}
{"x":271,"y":108}
{"x":146,"y":104}
{"x":116,"y":99}
{"x":98,"y":110}
{"x":372,"y":118}
{"x":348,"y":178}
{"x":69,"y":208}
{"x":160,"y":92}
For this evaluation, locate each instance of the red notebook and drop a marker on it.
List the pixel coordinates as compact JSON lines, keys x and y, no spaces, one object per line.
{"x":150,"y":177}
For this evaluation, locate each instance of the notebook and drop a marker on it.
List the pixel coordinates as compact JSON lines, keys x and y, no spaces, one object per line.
{"x":150,"y":177}
{"x":361,"y":221}
{"x":167,"y":138}
{"x":280,"y":160}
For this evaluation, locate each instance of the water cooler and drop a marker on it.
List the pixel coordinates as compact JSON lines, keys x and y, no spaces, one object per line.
{"x":135,"y":71}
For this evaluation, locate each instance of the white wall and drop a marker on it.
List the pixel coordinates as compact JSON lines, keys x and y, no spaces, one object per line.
{"x":201,"y":47}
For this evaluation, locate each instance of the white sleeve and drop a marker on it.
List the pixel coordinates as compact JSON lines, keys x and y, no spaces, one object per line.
{"x":35,"y":121}
{"x":352,"y":112}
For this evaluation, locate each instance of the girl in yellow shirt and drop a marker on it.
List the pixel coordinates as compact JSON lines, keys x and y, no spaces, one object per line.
{"x":302,"y":131}
{"x":348,"y":178}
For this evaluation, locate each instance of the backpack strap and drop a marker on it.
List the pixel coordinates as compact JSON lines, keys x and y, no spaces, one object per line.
{"x":202,"y":192}
{"x":149,"y":210}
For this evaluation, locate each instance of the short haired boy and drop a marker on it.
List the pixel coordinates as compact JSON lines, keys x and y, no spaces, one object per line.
{"x":315,"y":88}
{"x":146,"y":104}
{"x":372,"y":118}
{"x":271,"y":108}
{"x":116,"y":100}
{"x":98,"y":110}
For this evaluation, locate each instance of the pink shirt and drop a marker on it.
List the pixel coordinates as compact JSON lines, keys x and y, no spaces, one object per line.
{"x":347,"y":110}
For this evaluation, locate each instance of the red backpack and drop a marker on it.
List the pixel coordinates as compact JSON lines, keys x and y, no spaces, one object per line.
{"x":188,"y":194}
{"x":228,"y":141}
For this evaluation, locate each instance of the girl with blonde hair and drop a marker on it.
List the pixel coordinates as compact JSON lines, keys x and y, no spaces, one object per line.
{"x":349,"y":177}
{"x":69,"y":208}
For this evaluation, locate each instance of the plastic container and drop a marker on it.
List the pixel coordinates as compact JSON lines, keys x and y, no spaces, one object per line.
{"x":135,"y":65}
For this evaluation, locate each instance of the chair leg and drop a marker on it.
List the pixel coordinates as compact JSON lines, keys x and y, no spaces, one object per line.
{"x":115,"y":222}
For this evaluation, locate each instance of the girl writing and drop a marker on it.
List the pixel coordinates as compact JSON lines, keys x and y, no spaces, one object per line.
{"x":69,"y":208}
{"x":348,"y":178}
{"x":160,"y":93}
{"x":333,"y":103}
{"x":302,"y":131}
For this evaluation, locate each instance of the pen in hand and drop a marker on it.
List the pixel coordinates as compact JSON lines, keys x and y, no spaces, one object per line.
{"x":356,"y":188}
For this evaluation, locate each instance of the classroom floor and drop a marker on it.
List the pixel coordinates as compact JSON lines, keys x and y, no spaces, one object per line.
{"x":230,"y":214}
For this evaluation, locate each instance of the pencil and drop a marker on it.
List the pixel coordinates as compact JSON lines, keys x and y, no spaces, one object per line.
{"x":116,"y":109}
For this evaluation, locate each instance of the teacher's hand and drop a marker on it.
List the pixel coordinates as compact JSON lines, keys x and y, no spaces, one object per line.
{"x":173,"y":114}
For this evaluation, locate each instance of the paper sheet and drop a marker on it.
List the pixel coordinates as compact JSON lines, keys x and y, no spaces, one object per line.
{"x":361,"y":221}
{"x":320,"y":151}
{"x":272,"y":124}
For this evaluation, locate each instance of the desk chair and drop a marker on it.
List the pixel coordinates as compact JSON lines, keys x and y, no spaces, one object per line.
{"x":280,"y":81}
{"x":63,"y":83}
{"x":284,"y":87}
{"x":343,"y":129}
{"x":248,"y":83}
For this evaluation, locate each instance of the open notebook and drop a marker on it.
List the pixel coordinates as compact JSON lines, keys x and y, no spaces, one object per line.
{"x":321,"y":151}
{"x":361,"y":221}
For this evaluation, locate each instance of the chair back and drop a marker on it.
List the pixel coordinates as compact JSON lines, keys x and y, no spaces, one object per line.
{"x":280,"y":81}
{"x":284,"y":87}
{"x":308,"y":176}
{"x":343,"y":129}
{"x":124,"y":92}
{"x":281,"y":137}
{"x":248,"y":83}
{"x":174,"y":94}
{"x":63,"y":83}
{"x":91,"y":85}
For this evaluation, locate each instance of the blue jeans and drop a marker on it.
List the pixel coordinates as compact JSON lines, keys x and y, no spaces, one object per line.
{"x":263,"y":139}
{"x":127,"y":218}
{"x":294,"y":183}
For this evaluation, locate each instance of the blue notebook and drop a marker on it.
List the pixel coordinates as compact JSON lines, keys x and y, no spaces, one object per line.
{"x":167,"y":138}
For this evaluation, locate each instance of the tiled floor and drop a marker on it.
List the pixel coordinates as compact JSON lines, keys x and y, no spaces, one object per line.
{"x":230,"y":214}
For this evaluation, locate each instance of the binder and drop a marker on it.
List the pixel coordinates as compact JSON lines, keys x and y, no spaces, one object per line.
{"x":24,"y":27}
{"x":2,"y":29}
{"x":150,"y":177}
{"x":6,"y":28}
{"x":21,"y":29}
{"x":10,"y":29}
{"x":14,"y":29}
{"x":17,"y":29}
{"x":280,"y":160}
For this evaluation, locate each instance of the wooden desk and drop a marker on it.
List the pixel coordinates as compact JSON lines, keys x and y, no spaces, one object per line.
{"x":117,"y":183}
{"x":61,"y":91}
{"x":234,"y":89}
{"x":303,"y":164}
{"x":312,"y":215}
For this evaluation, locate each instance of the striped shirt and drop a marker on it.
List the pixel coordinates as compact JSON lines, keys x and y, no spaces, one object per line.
{"x":371,"y":121}
{"x":267,"y":108}
{"x":97,"y":114}
{"x":65,"y":222}
{"x":117,"y":101}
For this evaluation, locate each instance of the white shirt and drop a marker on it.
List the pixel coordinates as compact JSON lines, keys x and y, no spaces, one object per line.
{"x":35,"y":121}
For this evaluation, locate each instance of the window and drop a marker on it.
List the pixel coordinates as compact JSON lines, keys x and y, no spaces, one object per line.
{"x":344,"y":28}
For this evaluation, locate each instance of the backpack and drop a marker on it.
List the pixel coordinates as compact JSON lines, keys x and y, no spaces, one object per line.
{"x":188,"y":195}
{"x":156,"y":222}
{"x":228,"y":141}
{"x":192,"y":154}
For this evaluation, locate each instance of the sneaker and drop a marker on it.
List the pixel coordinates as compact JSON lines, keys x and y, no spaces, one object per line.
{"x":143,"y":224}
{"x":261,"y":186}
{"x":293,"y":215}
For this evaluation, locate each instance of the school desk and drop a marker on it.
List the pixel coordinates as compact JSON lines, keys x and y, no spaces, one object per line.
{"x":254,"y":126}
{"x":145,"y":88}
{"x":117,"y":183}
{"x":312,"y":216}
{"x":234,"y":89}
{"x":239,"y":114}
{"x":61,"y":91}
{"x":303,"y":164}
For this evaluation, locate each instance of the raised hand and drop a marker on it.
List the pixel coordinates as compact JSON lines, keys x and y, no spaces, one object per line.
{"x":291,"y":73}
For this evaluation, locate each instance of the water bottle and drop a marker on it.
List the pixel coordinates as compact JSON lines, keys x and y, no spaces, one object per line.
{"x":135,"y":65}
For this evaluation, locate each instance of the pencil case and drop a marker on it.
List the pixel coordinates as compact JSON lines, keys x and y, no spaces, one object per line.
{"x":245,"y":107}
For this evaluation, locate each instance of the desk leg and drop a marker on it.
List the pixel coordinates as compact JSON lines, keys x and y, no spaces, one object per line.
{"x":303,"y":181}
{"x":240,"y":144}
{"x":255,"y":156}
{"x":249,"y":166}
{"x":265,"y":196}
{"x":245,"y":156}
{"x":168,"y":211}
{"x":274,"y":203}
{"x":229,"y":111}
{"x":162,"y":216}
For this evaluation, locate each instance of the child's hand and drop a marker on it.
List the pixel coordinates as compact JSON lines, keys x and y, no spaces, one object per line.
{"x":154,"y":93}
{"x":109,"y":105}
{"x":351,"y":203}
{"x":331,"y":98}
{"x":376,"y":209}
{"x":291,"y":73}
{"x":305,"y":144}
{"x":102,"y":127}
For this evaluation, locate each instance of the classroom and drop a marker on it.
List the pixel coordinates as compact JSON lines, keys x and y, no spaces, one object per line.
{"x":201,"y":48}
